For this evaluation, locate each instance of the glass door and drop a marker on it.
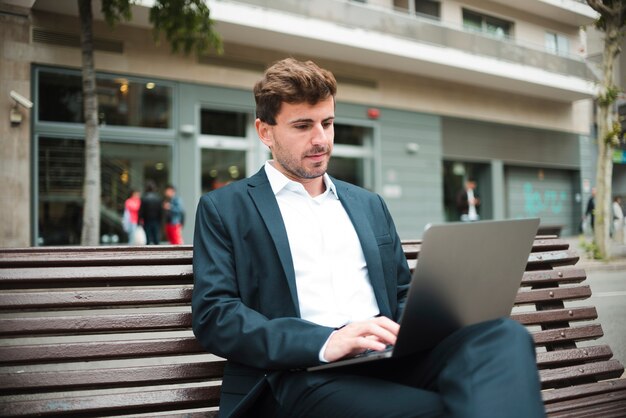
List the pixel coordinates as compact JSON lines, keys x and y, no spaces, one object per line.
{"x":228,"y":147}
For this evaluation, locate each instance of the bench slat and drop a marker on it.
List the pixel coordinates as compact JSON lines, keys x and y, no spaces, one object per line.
{"x":612,"y":409}
{"x":598,"y":371}
{"x":77,"y":351}
{"x":575,"y":392}
{"x":612,"y":400}
{"x":560,"y":335}
{"x":95,"y":323}
{"x":148,"y":401}
{"x":95,"y":256}
{"x":555,"y":315}
{"x":412,"y":248}
{"x":554,"y":277}
{"x":554,"y":294}
{"x":549,"y":244}
{"x":552,"y":258}
{"x":95,"y":297}
{"x":85,"y":274}
{"x":574,"y":355}
{"x":538,"y":261}
{"x":111,"y":377}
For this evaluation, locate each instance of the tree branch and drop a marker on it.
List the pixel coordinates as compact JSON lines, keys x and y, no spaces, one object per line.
{"x":600,"y":7}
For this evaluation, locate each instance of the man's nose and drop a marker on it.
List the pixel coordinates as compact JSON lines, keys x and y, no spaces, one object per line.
{"x":319,"y":135}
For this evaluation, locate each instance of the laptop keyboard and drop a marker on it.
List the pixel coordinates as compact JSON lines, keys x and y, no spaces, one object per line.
{"x":368,"y":353}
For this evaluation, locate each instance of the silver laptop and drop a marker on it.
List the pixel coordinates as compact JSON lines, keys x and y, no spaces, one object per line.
{"x":467,"y":273}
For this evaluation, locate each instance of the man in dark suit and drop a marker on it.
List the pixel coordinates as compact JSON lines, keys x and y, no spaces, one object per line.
{"x":294,"y":268}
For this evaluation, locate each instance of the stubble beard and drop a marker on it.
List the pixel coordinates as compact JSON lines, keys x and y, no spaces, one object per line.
{"x":296,"y":169}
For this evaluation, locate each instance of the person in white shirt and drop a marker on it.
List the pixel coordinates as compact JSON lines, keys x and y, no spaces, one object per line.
{"x":468,"y":202}
{"x":293,"y":268}
{"x":618,"y":220}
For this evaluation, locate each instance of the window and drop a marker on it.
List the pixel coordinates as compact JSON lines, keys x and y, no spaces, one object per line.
{"x":224,"y":123}
{"x":557,"y":43}
{"x":121,"y":102}
{"x":350,"y":134}
{"x":428,"y":8}
{"x":352,"y":155}
{"x":489,"y":25}
{"x":61,"y":171}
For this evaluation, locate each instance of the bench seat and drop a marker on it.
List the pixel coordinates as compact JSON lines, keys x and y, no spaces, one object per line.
{"x":106,"y":331}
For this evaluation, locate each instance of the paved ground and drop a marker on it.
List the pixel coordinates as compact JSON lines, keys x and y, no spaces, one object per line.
{"x":608,"y":286}
{"x":609,"y":297}
{"x":617,"y":261}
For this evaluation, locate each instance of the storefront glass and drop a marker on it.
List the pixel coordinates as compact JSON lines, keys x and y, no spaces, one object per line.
{"x":61,"y":169}
{"x":121,"y":102}
{"x":220,"y":167}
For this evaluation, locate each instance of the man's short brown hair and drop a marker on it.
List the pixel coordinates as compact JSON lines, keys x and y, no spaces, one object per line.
{"x":291,"y":81}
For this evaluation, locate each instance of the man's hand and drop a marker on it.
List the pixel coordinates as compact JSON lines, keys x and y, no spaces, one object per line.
{"x":356,"y":337}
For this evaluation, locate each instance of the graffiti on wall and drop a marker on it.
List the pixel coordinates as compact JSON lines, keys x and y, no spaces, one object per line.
{"x":539,"y":202}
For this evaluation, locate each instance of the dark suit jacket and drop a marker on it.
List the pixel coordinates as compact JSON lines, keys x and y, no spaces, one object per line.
{"x":462,"y":202}
{"x":245,"y":303}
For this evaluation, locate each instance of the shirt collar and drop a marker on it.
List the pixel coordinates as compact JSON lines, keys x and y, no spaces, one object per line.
{"x":279,"y":182}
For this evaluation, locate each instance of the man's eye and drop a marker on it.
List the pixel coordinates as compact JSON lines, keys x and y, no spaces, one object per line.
{"x":327,"y":124}
{"x":301,"y":127}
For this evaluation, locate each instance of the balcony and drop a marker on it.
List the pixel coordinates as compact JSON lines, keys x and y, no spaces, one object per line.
{"x":572,"y":12}
{"x":390,"y":40}
{"x":393,"y":40}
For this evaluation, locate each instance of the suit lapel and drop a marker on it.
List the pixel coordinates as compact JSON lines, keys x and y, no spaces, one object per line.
{"x":370,"y":247}
{"x":263,"y":197}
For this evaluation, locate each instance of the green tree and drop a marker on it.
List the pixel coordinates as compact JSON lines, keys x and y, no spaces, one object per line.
{"x":188,"y":28}
{"x":611,"y":22}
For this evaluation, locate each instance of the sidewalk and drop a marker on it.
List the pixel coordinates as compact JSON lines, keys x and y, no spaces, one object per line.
{"x":617,"y":261}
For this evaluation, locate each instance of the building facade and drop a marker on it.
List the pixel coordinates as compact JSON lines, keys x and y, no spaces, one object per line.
{"x":431,"y":93}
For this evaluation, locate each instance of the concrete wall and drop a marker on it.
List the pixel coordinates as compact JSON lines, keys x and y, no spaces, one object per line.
{"x":411,"y":182}
{"x":478,"y":141}
{"x":14,"y":140}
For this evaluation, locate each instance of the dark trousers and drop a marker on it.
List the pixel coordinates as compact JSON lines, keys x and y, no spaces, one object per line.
{"x":153,"y":232}
{"x":485,"y":370}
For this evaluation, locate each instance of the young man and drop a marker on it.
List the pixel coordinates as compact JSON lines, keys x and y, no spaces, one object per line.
{"x":293,"y":268}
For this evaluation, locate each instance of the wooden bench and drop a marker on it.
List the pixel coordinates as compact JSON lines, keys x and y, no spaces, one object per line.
{"x":106,"y":331}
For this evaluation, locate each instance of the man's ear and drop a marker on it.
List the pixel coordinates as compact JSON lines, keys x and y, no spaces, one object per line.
{"x":264,"y":130}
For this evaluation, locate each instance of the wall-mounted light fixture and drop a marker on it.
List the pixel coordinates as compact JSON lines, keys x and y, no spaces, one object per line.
{"x":187,"y":130}
{"x":16,"y":116}
{"x":412,"y":148}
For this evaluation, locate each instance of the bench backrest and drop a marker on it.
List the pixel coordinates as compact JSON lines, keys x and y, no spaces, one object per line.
{"x":106,"y":330}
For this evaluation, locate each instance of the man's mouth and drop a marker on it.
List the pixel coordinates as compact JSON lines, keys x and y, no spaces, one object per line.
{"x":317,"y":156}
{"x":317,"y":153}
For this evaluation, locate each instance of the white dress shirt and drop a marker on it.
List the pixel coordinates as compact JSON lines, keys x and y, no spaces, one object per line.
{"x":472,"y":213}
{"x":332,"y":279}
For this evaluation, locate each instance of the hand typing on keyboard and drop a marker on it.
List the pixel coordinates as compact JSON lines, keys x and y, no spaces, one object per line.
{"x":355,"y":338}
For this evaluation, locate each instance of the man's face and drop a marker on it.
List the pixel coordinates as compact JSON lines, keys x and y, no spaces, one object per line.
{"x":302,"y":139}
